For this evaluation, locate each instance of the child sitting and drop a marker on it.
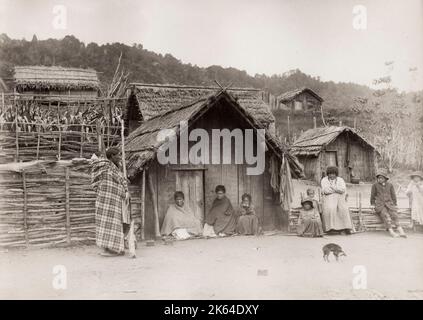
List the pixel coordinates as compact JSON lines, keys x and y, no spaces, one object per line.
{"x":309,"y":223}
{"x":384,"y":199}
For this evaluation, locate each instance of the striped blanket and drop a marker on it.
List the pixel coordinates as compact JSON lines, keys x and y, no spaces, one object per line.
{"x":111,"y":186}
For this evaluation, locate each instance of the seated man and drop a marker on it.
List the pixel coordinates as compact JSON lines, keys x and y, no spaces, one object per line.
{"x":221,"y":219}
{"x":248,"y":223}
{"x":179,"y":221}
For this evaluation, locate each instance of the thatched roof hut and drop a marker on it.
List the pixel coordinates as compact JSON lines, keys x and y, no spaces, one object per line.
{"x":154,"y":99}
{"x":56,"y":79}
{"x":218,"y":110}
{"x":335,"y":146}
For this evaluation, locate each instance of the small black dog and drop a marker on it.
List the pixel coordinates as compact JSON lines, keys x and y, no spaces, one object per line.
{"x":335,"y":249}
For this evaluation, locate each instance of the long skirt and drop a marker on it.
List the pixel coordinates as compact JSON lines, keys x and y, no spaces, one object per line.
{"x":310,"y":228}
{"x":336,"y":215}
{"x":247,"y":224}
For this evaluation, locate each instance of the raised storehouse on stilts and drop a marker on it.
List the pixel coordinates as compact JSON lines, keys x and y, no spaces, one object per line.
{"x":343,"y":147}
{"x":206,"y":109}
{"x":56,"y":81}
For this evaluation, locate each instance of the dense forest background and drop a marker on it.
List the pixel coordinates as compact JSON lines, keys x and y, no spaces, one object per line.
{"x":392,"y":120}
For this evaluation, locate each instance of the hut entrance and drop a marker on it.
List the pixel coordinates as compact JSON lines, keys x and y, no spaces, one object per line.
{"x":191,"y":183}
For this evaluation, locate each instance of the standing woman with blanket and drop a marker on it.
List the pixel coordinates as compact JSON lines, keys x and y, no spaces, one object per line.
{"x":336,"y":216}
{"x":112,"y":193}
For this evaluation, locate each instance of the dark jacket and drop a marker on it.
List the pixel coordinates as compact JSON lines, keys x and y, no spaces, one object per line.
{"x":383,"y":195}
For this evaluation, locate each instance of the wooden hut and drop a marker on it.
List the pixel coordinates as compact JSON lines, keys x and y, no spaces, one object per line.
{"x":56,"y":81}
{"x":303,"y":99}
{"x":343,"y":147}
{"x":219,"y":109}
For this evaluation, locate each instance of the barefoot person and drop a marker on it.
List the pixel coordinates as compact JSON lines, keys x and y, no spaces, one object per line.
{"x":415,"y":193}
{"x":248,"y":223}
{"x":179,"y":221}
{"x":384,"y":199}
{"x":112,"y":193}
{"x":336,"y":216}
{"x":221,"y":219}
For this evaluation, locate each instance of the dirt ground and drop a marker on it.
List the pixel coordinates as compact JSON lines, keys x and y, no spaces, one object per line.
{"x":266,"y":267}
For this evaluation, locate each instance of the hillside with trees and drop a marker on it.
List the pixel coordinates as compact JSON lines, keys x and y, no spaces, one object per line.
{"x":390,"y":119}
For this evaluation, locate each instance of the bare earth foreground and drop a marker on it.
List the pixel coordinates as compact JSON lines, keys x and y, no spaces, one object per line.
{"x":229,"y":268}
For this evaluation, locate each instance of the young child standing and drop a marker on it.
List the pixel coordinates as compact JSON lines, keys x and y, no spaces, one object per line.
{"x":384,"y":199}
{"x":415,"y":193}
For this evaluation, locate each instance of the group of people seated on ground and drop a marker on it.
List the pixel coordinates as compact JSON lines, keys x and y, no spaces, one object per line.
{"x":221,"y":220}
{"x":332,"y":215}
{"x":315,"y":219}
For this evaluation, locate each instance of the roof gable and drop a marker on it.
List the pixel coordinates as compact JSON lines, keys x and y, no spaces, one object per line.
{"x":290,"y":95}
{"x":142,"y":144}
{"x":155,"y":99}
{"x":55,"y":78}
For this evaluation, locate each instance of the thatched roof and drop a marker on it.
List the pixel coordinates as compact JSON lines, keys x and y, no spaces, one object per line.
{"x":154,"y":99}
{"x":55,"y":78}
{"x":312,"y":141}
{"x":142,"y":144}
{"x":290,"y":95}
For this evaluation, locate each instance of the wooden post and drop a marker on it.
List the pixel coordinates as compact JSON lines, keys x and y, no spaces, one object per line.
{"x":360,"y":217}
{"x":25,"y":208}
{"x":355,"y":123}
{"x":122,"y":135}
{"x":67,"y":206}
{"x":314,"y":122}
{"x":340,"y":123}
{"x":59,"y":148}
{"x":289,"y":131}
{"x":156,"y":213}
{"x":82,"y":141}
{"x":16,"y":135}
{"x":38,"y":141}
{"x":143,"y":205}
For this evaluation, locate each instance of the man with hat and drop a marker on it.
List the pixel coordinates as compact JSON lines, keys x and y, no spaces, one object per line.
{"x":384,"y":199}
{"x":415,"y":193}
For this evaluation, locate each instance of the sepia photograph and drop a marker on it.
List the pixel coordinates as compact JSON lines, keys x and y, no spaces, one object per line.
{"x":186,"y":150}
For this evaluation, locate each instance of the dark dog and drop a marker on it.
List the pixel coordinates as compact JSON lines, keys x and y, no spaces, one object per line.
{"x":335,"y":249}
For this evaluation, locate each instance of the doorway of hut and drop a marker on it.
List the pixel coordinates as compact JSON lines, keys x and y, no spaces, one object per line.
{"x":191,"y":183}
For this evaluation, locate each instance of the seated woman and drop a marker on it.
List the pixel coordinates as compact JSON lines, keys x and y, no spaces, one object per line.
{"x":248,"y":223}
{"x":221,"y":219}
{"x":309,"y":223}
{"x":179,"y":221}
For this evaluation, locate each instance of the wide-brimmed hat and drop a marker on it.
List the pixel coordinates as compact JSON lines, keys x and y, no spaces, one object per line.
{"x":383,"y":173}
{"x":307,"y":200}
{"x":417,"y":174}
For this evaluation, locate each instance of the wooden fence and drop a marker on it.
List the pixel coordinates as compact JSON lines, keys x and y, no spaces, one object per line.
{"x":363,"y":219}
{"x":50,"y":203}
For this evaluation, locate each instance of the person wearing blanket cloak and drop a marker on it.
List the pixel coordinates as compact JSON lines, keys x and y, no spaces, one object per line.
{"x":112,"y":195}
{"x":179,"y":221}
{"x":221,"y":220}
